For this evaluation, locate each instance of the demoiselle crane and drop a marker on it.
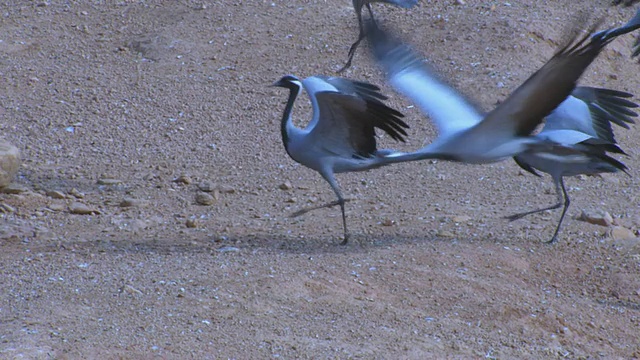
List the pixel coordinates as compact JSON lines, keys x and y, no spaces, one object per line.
{"x":465,"y":134}
{"x":582,"y":125}
{"x":341,"y":135}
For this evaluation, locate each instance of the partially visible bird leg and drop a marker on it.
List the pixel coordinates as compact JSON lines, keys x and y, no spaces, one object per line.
{"x":361,"y":36}
{"x":352,"y":51}
{"x":370,"y":15}
{"x":567,"y":202}
{"x":344,"y":222}
{"x":552,"y":207}
{"x":306,"y":210}
{"x":563,"y":200}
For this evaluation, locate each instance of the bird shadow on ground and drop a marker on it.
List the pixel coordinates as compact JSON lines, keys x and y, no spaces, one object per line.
{"x":52,"y":180}
{"x":246,"y":244}
{"x":240,"y":244}
{"x":358,"y":243}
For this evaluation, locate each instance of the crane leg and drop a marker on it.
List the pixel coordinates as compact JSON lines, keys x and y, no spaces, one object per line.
{"x":336,"y":189}
{"x":361,"y":36}
{"x":561,"y":201}
{"x":567,"y":202}
{"x":311,"y":208}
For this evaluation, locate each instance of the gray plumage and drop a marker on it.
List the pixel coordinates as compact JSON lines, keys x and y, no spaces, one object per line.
{"x":341,"y":135}
{"x":582,"y":125}
{"x":465,"y":134}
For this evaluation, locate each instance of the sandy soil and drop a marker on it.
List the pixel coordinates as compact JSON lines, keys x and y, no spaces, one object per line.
{"x":148,"y":101}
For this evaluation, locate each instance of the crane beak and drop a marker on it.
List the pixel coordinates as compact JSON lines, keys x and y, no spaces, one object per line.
{"x":277,"y":83}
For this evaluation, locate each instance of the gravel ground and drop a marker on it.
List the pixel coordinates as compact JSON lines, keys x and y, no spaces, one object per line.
{"x":127,"y":111}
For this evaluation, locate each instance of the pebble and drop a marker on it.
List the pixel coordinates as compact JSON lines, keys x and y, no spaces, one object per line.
{"x":5,"y":209}
{"x":109,"y":181}
{"x":620,"y":233}
{"x":388,"y":222}
{"x":597,"y":217}
{"x":203,"y":198}
{"x":75,"y":193}
{"x":14,"y":189}
{"x":57,"y":206}
{"x":286,"y":186}
{"x":82,"y":209}
{"x":131,"y":290}
{"x":461,"y":218}
{"x":224,"y":249}
{"x":138,"y":225}
{"x":206,"y":186}
{"x":445,"y":234}
{"x":132,"y":202}
{"x":150,"y":176}
{"x":226,"y":189}
{"x":191,"y":223}
{"x":183,"y":179}
{"x":9,"y":163}
{"x":56,"y":194}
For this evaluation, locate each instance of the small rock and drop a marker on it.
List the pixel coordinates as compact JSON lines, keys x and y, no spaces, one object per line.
{"x":620,"y":233}
{"x":14,"y":189}
{"x":138,"y":225}
{"x":109,"y":181}
{"x":82,"y":209}
{"x":445,"y":234}
{"x":226,"y":189}
{"x":460,"y":2}
{"x":286,"y":186}
{"x":597,"y":217}
{"x":131,"y":202}
{"x":192,"y":223}
{"x":203,"y":198}
{"x":149,"y":177}
{"x":388,"y":222}
{"x":131,"y":290}
{"x":56,"y":194}
{"x":9,"y":163}
{"x":57,"y":206}
{"x":461,"y":218}
{"x":75,"y":193}
{"x":224,"y":249}
{"x":183,"y":179}
{"x":207,"y":186}
{"x":291,"y":200}
{"x":5,"y":209}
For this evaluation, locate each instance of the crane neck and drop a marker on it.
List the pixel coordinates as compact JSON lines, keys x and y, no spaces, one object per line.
{"x":286,"y":123}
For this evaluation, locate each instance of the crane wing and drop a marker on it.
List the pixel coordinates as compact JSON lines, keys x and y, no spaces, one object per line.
{"x":450,"y":111}
{"x":346,"y":125}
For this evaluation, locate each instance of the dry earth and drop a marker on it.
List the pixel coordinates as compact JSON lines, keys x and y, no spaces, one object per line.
{"x":115,"y":100}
